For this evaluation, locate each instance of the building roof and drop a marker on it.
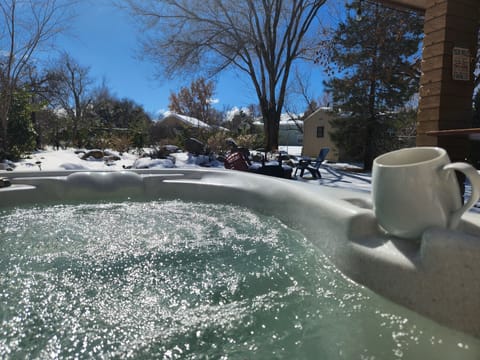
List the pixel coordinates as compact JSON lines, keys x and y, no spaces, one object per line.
{"x":187,"y":120}
{"x":322,"y":109}
{"x":285,"y":119}
{"x":406,"y":4}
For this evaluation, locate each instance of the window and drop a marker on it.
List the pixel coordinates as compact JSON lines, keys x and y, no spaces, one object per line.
{"x":320,"y":130}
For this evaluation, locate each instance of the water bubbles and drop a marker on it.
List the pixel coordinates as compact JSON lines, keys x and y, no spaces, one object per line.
{"x":171,"y":279}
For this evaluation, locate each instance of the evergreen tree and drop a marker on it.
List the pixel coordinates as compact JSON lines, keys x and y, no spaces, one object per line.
{"x":21,"y":131}
{"x":377,"y":58}
{"x":119,"y":119}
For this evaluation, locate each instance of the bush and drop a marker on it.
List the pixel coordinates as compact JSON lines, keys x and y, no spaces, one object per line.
{"x":21,"y":132}
{"x":120,"y":143}
{"x":217,"y":142}
{"x":250,"y":141}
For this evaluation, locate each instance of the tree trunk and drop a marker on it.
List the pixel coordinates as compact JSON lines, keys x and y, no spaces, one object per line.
{"x":271,"y":127}
{"x":369,"y":145}
{"x":5,"y":101}
{"x":38,"y":133}
{"x":369,"y":148}
{"x":4,"y":145}
{"x":75,"y":132}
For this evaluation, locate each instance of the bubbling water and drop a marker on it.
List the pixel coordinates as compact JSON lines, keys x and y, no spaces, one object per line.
{"x":174,"y":279}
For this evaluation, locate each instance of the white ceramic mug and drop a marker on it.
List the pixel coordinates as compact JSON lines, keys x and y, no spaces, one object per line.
{"x":416,"y":188}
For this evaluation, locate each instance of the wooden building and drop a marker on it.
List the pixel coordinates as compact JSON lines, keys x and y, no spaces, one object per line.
{"x":448,"y":61}
{"x":316,"y":134}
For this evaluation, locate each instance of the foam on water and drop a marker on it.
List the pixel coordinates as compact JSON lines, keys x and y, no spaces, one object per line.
{"x":172,"y":279}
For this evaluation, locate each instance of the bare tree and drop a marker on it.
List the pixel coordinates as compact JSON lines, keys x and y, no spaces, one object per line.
{"x":25,"y":25}
{"x":306,"y":103}
{"x":68,"y":84}
{"x":195,"y":101}
{"x":300,"y":89}
{"x":262,"y":38}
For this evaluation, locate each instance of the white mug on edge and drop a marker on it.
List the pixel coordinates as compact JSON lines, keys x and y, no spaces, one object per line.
{"x":416,"y":188}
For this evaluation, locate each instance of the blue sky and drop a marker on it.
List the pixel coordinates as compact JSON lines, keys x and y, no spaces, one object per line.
{"x":104,"y":38}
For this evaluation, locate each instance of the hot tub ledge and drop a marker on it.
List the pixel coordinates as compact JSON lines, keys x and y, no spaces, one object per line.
{"x":442,"y":248}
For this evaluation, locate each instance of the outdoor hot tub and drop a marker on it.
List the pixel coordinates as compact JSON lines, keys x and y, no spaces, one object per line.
{"x":93,"y":250}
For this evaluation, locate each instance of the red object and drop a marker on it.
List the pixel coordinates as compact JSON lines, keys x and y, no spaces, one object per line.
{"x":236,"y":161}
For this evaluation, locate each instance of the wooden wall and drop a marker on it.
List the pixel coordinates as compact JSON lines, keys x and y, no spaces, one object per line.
{"x":446,"y":102}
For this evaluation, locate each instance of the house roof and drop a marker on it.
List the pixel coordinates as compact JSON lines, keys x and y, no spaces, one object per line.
{"x":187,"y":120}
{"x":285,"y":119}
{"x":407,"y":4}
{"x":324,"y":112}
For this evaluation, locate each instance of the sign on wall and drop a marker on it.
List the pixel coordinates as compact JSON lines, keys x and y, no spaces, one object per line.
{"x":461,"y":64}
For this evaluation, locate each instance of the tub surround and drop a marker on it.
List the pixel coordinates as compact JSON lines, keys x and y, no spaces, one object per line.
{"x":437,"y":275}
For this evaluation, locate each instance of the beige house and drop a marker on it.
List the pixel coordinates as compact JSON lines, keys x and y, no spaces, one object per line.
{"x":316,"y":134}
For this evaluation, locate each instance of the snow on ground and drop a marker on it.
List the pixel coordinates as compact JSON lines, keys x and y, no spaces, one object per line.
{"x":53,"y":160}
{"x":339,"y":175}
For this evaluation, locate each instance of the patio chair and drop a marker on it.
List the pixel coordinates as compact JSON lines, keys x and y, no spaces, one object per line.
{"x":236,"y":161}
{"x":312,"y":166}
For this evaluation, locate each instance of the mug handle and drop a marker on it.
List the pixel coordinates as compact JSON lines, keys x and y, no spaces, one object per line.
{"x":474,"y":177}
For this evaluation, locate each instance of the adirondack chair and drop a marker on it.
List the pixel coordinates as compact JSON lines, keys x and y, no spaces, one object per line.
{"x":312,"y":166}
